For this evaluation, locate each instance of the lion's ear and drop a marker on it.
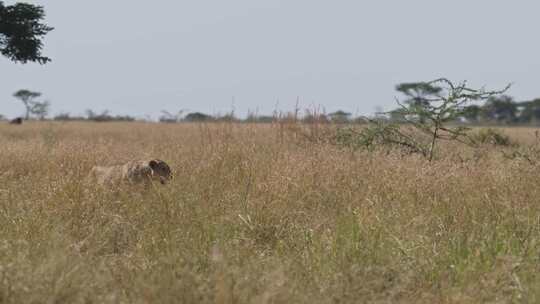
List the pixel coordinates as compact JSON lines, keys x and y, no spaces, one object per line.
{"x":153,"y":164}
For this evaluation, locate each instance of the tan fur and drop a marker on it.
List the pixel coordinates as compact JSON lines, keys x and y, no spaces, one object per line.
{"x":135,"y":172}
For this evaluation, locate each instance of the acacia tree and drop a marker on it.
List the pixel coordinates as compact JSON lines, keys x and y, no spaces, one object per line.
{"x":531,"y":111}
{"x":198,"y":116}
{"x":169,"y":117}
{"x":22,"y":31}
{"x":443,"y":105}
{"x":40,"y":109}
{"x":500,"y":109}
{"x":418,"y":94}
{"x":340,"y":116}
{"x":472,"y":113}
{"x":27,"y":97}
{"x":423,"y":120}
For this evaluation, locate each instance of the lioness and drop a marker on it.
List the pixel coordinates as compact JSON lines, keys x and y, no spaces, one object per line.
{"x":134,"y":172}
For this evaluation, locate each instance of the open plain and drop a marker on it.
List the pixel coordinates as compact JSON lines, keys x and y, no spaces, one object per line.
{"x":263,"y":213}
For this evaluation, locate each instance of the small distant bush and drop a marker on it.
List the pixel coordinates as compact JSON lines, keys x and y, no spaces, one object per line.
{"x":254,"y":118}
{"x":265,"y":119}
{"x":198,"y":116}
{"x":491,"y":137}
{"x":67,"y":117}
{"x":106,"y":117}
{"x":228,"y":117}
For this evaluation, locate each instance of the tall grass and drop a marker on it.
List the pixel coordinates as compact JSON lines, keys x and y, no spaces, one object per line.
{"x":262,"y":214}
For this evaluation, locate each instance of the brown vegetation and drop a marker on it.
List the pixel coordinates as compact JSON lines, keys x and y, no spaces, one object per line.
{"x":266,"y":213}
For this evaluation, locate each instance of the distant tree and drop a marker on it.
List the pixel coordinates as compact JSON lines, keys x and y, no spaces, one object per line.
{"x":21,"y":32}
{"x":27,"y":97}
{"x":311,"y":117}
{"x":340,"y":116}
{"x":65,"y":116}
{"x":227,"y":117}
{"x":500,"y":109}
{"x":198,"y":116}
{"x":168,"y":117}
{"x":89,"y":113}
{"x":471,"y":113}
{"x":252,"y":116}
{"x":122,"y":118}
{"x":397,"y":115}
{"x":105,"y":116}
{"x":62,"y":116}
{"x":40,"y":109}
{"x":530,"y":111}
{"x":265,"y":119}
{"x":419,"y":95}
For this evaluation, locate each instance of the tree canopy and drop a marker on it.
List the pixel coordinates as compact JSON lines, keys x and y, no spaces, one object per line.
{"x":531,"y":111}
{"x":501,"y":109}
{"x":419,"y":95}
{"x":22,"y":31}
{"x":27,"y":97}
{"x":198,"y":116}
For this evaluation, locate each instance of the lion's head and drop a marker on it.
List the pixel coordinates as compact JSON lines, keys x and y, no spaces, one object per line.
{"x":160,"y":171}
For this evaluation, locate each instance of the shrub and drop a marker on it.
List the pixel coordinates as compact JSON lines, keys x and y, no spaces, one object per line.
{"x":492,"y":137}
{"x":379,"y":134}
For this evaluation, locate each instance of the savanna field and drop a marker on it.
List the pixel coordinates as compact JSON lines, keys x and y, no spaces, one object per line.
{"x":265,"y":213}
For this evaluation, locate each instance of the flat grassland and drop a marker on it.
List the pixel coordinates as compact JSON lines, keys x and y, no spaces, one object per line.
{"x":262,"y":214}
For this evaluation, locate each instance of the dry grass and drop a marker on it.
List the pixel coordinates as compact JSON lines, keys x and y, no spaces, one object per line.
{"x":260,"y":214}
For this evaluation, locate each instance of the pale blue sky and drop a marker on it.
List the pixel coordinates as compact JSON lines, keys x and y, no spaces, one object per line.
{"x":141,"y":57}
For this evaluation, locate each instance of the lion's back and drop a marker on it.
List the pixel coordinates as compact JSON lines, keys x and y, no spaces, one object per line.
{"x":136,"y":171}
{"x":106,"y":175}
